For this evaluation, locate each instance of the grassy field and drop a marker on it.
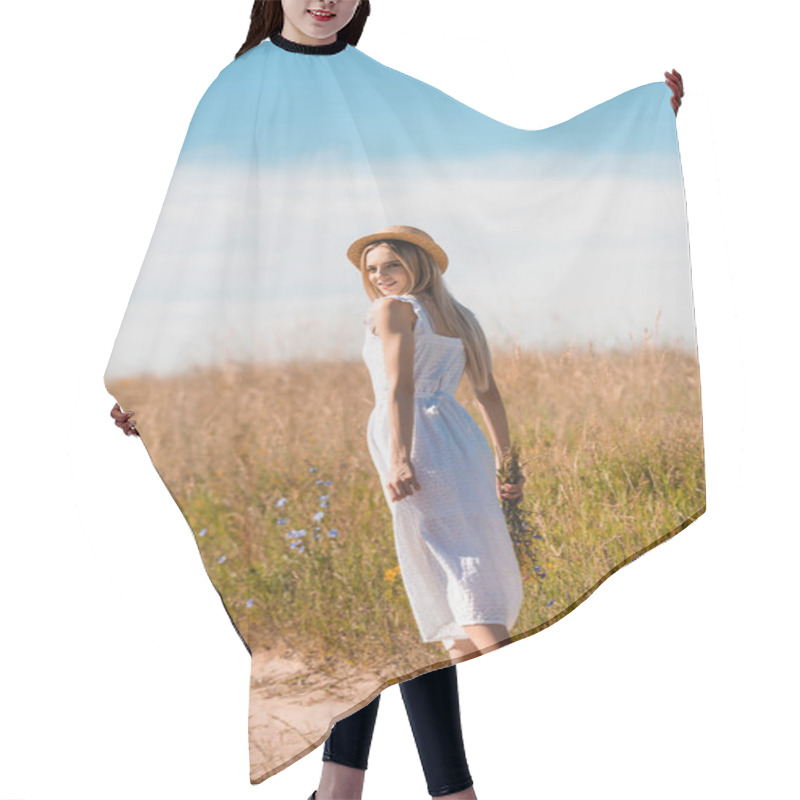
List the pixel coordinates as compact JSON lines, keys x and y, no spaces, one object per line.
{"x":270,"y":468}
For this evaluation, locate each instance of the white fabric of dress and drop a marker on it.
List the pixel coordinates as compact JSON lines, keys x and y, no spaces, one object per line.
{"x":456,"y":557}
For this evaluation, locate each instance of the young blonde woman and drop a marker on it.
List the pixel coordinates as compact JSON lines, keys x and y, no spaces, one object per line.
{"x":412,"y":316}
{"x":437,"y":469}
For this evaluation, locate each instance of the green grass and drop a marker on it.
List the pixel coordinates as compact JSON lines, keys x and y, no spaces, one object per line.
{"x":611,"y":445}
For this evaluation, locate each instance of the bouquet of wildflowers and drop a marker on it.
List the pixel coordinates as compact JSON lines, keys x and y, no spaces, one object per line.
{"x":523,"y":530}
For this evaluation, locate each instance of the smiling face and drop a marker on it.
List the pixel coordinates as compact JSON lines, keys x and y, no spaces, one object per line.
{"x":386,"y":271}
{"x":316,"y":21}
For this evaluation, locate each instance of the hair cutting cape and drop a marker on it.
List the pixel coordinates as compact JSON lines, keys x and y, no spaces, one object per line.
{"x":248,"y":356}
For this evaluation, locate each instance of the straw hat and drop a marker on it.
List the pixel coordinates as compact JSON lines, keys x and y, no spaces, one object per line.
{"x":405,"y":233}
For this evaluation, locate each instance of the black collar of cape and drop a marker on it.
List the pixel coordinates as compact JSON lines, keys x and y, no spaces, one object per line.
{"x":310,"y":49}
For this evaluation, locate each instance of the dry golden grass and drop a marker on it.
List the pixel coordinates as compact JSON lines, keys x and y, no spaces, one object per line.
{"x":614,"y":453}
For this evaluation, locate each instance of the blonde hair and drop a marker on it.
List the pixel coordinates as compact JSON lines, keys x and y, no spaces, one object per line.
{"x":426,"y":278}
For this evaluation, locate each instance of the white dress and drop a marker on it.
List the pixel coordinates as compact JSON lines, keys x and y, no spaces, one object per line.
{"x":456,"y":557}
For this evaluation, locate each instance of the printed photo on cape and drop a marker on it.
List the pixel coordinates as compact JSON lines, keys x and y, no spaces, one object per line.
{"x":250,"y":353}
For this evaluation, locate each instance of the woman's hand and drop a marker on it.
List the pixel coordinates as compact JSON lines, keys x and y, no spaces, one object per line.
{"x":675,"y":82}
{"x":123,"y":420}
{"x":510,"y":491}
{"x":402,"y":481}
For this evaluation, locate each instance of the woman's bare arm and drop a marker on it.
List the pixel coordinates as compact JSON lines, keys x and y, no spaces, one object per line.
{"x":394,"y":323}
{"x":494,"y":414}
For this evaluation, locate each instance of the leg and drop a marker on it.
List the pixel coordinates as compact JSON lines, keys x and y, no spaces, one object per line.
{"x":346,"y":753}
{"x":431,"y":702}
{"x":487,"y":637}
{"x":483,"y":639}
{"x":462,"y":647}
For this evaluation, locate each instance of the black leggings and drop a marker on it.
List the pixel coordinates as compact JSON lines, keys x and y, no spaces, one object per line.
{"x":431,"y":701}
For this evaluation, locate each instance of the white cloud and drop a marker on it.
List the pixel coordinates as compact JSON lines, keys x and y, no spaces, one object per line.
{"x":544,"y":250}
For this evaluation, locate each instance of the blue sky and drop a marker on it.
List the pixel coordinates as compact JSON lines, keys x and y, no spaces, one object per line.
{"x":572,"y":234}
{"x":296,"y":102}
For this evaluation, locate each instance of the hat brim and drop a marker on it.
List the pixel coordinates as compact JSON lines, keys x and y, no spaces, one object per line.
{"x":437,"y":254}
